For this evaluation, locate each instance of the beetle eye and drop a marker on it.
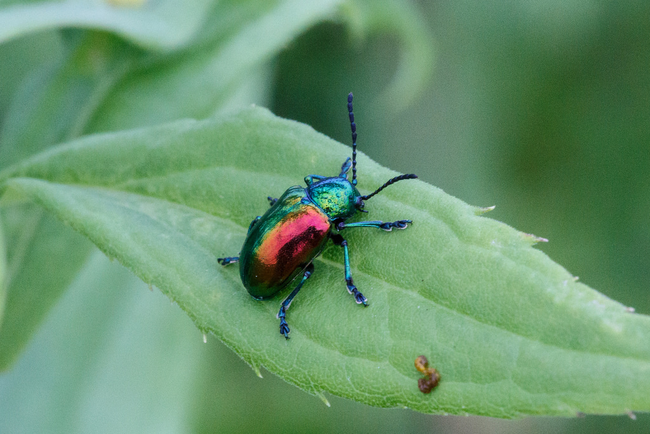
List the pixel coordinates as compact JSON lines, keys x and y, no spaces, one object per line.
{"x":359,"y":203}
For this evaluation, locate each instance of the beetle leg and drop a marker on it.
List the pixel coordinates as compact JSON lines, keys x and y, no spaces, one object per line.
{"x":228,"y":260}
{"x":272,"y":200}
{"x":387,"y":226}
{"x":310,"y":179}
{"x":358,"y":297}
{"x":253,"y":223}
{"x":345,"y":168}
{"x":232,"y":259}
{"x":284,"y":327}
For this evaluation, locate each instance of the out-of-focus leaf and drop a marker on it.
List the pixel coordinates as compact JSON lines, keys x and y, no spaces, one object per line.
{"x":159,"y":25}
{"x":402,"y":19}
{"x":510,"y":331}
{"x":111,"y":357}
{"x":43,"y":257}
{"x":199,"y":82}
{"x":54,"y":103}
{"x":20,"y":57}
{"x":3,"y":272}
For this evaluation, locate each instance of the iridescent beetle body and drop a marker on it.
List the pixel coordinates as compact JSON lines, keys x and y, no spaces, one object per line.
{"x":281,"y":244}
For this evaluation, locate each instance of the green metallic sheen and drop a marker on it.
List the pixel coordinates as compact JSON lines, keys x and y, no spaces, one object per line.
{"x":282,"y":243}
{"x":337,"y":197}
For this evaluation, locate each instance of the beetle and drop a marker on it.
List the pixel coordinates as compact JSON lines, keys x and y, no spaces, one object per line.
{"x":282,"y":244}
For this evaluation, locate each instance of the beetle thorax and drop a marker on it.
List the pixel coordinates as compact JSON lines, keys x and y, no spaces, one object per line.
{"x":336,"y":196}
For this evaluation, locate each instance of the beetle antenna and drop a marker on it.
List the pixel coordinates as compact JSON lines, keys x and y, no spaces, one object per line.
{"x":389,"y":182}
{"x":353,"y":127}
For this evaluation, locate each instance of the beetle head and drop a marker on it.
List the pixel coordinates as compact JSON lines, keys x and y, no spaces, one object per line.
{"x":336,"y":196}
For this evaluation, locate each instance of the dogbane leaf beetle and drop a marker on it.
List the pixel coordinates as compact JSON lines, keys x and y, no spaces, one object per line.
{"x":282,"y":244}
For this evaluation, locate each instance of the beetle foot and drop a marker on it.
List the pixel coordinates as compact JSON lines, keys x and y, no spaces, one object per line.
{"x":227,"y":260}
{"x":399,"y":224}
{"x":358,"y":296}
{"x":284,"y":327}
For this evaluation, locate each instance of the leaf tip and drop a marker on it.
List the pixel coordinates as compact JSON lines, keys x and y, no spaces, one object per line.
{"x":256,"y":369}
{"x":482,"y":210}
{"x":323,"y":398}
{"x":533,"y":239}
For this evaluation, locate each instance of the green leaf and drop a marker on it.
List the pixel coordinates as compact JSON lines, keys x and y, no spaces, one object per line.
{"x":55,"y":101}
{"x":59,"y":98}
{"x":3,"y":273}
{"x":20,"y":57}
{"x":159,"y":25}
{"x":404,"y":21}
{"x":43,"y":256}
{"x":198,"y":83}
{"x":53,"y":104}
{"x":511,"y":332}
{"x":95,"y":358}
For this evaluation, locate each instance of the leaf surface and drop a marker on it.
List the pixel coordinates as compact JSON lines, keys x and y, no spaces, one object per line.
{"x":198,"y":83}
{"x":56,"y":99}
{"x":510,"y":331}
{"x":160,"y":25}
{"x":59,"y":98}
{"x":95,"y":357}
{"x":43,"y":257}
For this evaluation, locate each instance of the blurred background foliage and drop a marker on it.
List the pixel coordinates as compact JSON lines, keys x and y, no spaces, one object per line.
{"x":540,"y":108}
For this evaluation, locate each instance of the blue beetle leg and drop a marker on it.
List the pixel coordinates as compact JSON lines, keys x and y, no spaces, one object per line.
{"x":255,"y":220}
{"x":387,"y":226}
{"x":272,"y":200}
{"x":232,"y":259}
{"x":358,"y":296}
{"x":345,"y":168}
{"x":228,"y":260}
{"x":284,"y":327}
{"x":310,"y":179}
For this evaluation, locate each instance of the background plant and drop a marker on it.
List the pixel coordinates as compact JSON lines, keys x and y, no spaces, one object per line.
{"x":546,"y":119}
